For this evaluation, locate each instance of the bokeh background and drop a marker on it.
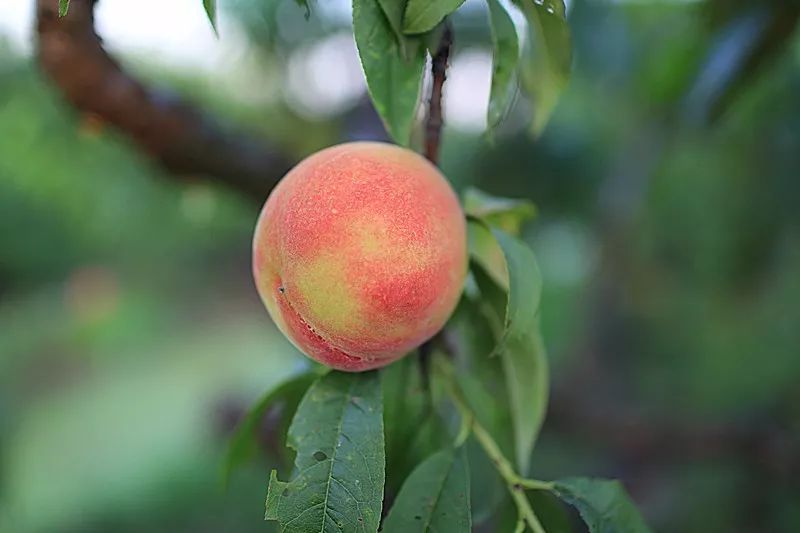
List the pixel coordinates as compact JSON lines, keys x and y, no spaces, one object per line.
{"x":132,"y":339}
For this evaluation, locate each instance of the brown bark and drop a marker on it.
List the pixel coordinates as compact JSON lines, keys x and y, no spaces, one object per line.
{"x":435,"y":120}
{"x":175,"y":134}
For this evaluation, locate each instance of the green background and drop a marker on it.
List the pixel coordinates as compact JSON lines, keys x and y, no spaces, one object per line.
{"x":132,"y":340}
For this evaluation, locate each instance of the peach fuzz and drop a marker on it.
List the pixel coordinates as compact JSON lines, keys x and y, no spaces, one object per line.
{"x":359,"y":254}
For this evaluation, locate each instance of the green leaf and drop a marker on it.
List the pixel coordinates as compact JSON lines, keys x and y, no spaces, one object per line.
{"x":406,"y":420}
{"x":433,"y":39}
{"x":338,"y":435}
{"x":603,"y":504}
{"x":63,"y":7}
{"x":551,"y":511}
{"x":487,"y":254}
{"x":507,"y":214}
{"x":481,"y":378}
{"x":403,"y":400}
{"x":483,"y":382}
{"x":435,"y":497}
{"x":306,"y":4}
{"x":242,"y":444}
{"x":211,"y":11}
{"x":424,"y":15}
{"x":505,"y":58}
{"x":393,"y":10}
{"x":521,"y":347}
{"x":523,"y":353}
{"x":546,"y":58}
{"x":393,"y":81}
{"x":484,"y":387}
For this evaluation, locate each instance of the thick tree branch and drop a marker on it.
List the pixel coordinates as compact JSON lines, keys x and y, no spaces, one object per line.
{"x":172,"y":132}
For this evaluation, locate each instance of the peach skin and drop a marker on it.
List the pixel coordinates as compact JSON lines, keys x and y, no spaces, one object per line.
{"x":359,"y":254}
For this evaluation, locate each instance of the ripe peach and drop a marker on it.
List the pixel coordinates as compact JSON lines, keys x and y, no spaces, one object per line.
{"x":360,"y":254}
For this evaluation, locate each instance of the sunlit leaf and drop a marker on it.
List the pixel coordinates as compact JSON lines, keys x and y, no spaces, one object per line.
{"x":242,"y":443}
{"x":520,"y":346}
{"x":211,"y":12}
{"x":393,"y":81}
{"x":603,"y":504}
{"x":435,"y":497}
{"x":546,"y":58}
{"x":505,"y":58}
{"x":63,"y":7}
{"x":424,"y":15}
{"x":338,"y":435}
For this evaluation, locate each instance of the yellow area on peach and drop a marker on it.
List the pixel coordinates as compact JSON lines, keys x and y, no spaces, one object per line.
{"x":328,"y":299}
{"x":372,"y":239}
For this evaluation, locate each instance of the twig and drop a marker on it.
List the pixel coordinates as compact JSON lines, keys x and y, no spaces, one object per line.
{"x":433,"y":132}
{"x":434,"y":122}
{"x":515,"y":483}
{"x":174,"y":133}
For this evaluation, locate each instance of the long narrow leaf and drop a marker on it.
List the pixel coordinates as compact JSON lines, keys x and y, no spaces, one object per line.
{"x":547,"y":57}
{"x":520,"y":344}
{"x":393,"y":78}
{"x":211,"y":12}
{"x":505,"y":59}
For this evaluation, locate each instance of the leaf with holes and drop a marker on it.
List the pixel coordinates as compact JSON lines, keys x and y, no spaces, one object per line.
{"x":211,"y":12}
{"x":435,"y":497}
{"x":288,"y":395}
{"x":424,"y":15}
{"x":394,"y":81}
{"x":340,"y":463}
{"x":505,"y":58}
{"x":520,"y":345}
{"x":546,"y":58}
{"x":603,"y":504}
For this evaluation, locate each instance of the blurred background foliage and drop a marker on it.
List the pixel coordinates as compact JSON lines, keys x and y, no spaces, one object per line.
{"x":132,"y":340}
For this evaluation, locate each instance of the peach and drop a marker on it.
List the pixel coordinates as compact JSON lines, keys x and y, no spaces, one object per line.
{"x":359,"y":254}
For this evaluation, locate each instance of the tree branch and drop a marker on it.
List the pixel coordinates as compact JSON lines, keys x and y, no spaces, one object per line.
{"x":172,"y":132}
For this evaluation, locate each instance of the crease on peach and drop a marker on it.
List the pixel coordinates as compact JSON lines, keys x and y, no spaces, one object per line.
{"x":328,"y":343}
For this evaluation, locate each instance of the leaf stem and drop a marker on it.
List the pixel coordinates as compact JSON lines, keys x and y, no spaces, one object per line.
{"x":514,"y":482}
{"x":526,"y":511}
